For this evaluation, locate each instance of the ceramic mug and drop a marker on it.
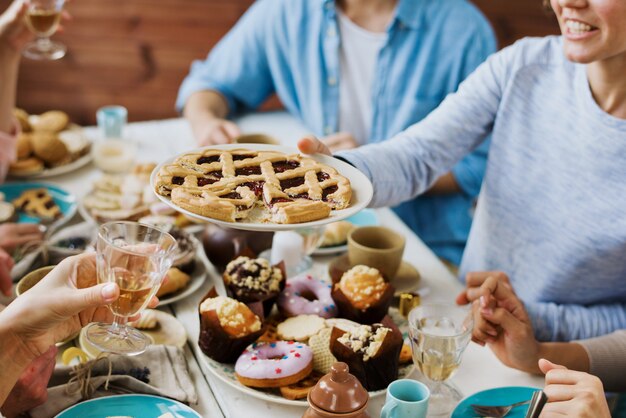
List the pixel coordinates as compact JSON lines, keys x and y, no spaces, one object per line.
{"x":377,"y":247}
{"x":111,"y":120}
{"x":406,"y":398}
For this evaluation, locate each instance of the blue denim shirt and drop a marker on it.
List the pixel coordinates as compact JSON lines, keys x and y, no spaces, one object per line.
{"x":291,"y":48}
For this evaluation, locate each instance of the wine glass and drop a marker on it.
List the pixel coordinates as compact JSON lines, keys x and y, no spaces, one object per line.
{"x":439,"y":334}
{"x":42,"y":18}
{"x":136,"y":257}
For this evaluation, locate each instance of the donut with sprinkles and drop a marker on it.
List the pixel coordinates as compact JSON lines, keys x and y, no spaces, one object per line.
{"x":274,"y":364}
{"x":305,"y":295}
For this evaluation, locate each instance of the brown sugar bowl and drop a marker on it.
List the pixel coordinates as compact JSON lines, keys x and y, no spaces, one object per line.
{"x":338,"y":394}
{"x":362,"y":295}
{"x":227,"y":327}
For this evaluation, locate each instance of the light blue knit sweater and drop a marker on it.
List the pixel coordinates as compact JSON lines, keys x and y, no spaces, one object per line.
{"x":552,"y":210}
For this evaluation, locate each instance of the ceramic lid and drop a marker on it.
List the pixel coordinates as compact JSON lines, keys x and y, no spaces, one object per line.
{"x":339,"y":391}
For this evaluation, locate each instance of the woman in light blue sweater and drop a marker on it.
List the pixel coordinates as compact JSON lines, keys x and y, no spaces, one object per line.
{"x":551,"y":210}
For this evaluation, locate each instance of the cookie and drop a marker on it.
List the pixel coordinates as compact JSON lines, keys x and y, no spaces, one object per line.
{"x":53,"y":121}
{"x":24,"y":146}
{"x":300,"y":328}
{"x":31,"y":165}
{"x":48,"y":147}
{"x":301,"y":389}
{"x":323,"y":359}
{"x":22,"y":118}
{"x":38,"y":203}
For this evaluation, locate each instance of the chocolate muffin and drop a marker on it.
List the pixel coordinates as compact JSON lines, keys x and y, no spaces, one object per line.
{"x":252,"y":280}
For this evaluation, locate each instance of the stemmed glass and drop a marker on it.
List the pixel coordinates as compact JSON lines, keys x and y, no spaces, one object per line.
{"x":43,"y":17}
{"x":439,"y":335}
{"x":136,"y":257}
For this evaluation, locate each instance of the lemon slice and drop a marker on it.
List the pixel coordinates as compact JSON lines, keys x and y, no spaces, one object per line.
{"x":73,"y":352}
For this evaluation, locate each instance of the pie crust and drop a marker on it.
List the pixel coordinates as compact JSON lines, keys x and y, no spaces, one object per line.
{"x":253,"y":186}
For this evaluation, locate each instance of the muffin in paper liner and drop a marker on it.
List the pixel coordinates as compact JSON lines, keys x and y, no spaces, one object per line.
{"x":381,"y":369}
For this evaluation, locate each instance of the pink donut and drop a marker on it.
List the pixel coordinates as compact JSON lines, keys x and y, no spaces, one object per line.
{"x":273,"y":364}
{"x":304,"y":295}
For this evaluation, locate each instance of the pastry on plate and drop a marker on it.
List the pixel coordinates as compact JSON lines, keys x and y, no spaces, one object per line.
{"x":371,"y":352}
{"x":49,"y":148}
{"x":22,"y":117}
{"x":336,"y":233}
{"x":227,"y":327}
{"x":7,"y":212}
{"x":259,"y":186}
{"x":52,"y":121}
{"x":362,"y":295}
{"x":176,"y":280}
{"x":254,"y":280}
{"x":300,"y":328}
{"x":30,"y":165}
{"x":38,"y":203}
{"x":24,"y":147}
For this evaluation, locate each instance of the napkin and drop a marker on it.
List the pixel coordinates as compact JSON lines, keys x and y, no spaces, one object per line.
{"x":161,"y":371}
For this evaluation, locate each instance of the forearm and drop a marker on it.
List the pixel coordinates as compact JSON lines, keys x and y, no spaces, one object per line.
{"x":14,"y":359}
{"x":554,"y":322}
{"x":571,"y":355}
{"x":205,"y":105}
{"x":444,"y":185}
{"x":9,"y":67}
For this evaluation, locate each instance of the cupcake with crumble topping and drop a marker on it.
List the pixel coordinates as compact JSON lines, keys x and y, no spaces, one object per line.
{"x":371,"y":352}
{"x":362,"y":295}
{"x":227,"y":327}
{"x":251,"y":280}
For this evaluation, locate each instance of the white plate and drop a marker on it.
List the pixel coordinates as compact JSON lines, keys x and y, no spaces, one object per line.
{"x":62,"y":169}
{"x":226,"y":372}
{"x":362,"y":190}
{"x":366,"y":217}
{"x":198,"y":276}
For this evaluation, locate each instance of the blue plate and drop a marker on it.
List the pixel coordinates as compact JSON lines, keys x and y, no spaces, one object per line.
{"x":496,"y":397}
{"x":136,"y":406}
{"x":65,"y":200}
{"x":366,"y":217}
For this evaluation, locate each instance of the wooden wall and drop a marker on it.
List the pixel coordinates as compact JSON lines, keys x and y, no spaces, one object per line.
{"x":136,"y":52}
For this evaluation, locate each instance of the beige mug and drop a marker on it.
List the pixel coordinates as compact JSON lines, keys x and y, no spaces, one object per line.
{"x":377,"y":247}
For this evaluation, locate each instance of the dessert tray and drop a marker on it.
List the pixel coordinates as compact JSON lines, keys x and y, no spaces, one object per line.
{"x":177,"y":177}
{"x":226,"y":372}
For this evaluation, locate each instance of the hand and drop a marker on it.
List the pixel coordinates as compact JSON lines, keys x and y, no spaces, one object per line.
{"x":6,"y":265}
{"x":572,"y":394}
{"x":312,"y":145}
{"x":13,"y":235}
{"x":473,"y":282}
{"x":340,"y":141}
{"x":14,"y":33}
{"x":31,"y":389}
{"x":501,"y":321}
{"x":62,"y":303}
{"x":215,"y":131}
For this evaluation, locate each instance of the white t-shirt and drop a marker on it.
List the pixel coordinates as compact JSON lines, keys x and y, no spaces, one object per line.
{"x":358,"y":56}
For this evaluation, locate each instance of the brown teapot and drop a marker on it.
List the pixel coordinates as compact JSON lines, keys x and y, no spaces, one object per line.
{"x":338,"y":395}
{"x":222,"y":244}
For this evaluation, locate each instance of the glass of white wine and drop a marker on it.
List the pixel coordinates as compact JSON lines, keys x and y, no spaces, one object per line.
{"x":43,"y":18}
{"x":136,"y":257}
{"x":439,"y":334}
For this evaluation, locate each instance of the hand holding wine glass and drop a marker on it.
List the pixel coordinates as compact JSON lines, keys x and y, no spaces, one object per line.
{"x":43,"y":18}
{"x":136,"y":258}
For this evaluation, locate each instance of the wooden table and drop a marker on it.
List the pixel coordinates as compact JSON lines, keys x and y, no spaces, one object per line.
{"x":159,"y":140}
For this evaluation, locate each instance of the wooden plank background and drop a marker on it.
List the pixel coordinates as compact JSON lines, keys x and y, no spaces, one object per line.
{"x":136,"y":52}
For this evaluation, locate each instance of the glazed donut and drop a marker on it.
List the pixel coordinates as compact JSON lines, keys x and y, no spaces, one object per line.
{"x":304,"y":295}
{"x":275,"y":364}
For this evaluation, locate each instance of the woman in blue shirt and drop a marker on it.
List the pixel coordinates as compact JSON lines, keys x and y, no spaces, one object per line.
{"x":354,"y":72}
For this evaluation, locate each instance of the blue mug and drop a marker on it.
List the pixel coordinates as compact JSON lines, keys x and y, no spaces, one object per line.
{"x":406,"y":398}
{"x":111,"y":120}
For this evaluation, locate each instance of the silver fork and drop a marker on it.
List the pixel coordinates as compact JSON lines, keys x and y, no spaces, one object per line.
{"x":496,"y":411}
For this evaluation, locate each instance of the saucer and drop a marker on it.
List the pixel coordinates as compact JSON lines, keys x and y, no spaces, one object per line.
{"x":406,"y":280}
{"x":498,"y":396}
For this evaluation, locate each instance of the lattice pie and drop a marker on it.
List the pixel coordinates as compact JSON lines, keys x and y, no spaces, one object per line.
{"x":258,"y":186}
